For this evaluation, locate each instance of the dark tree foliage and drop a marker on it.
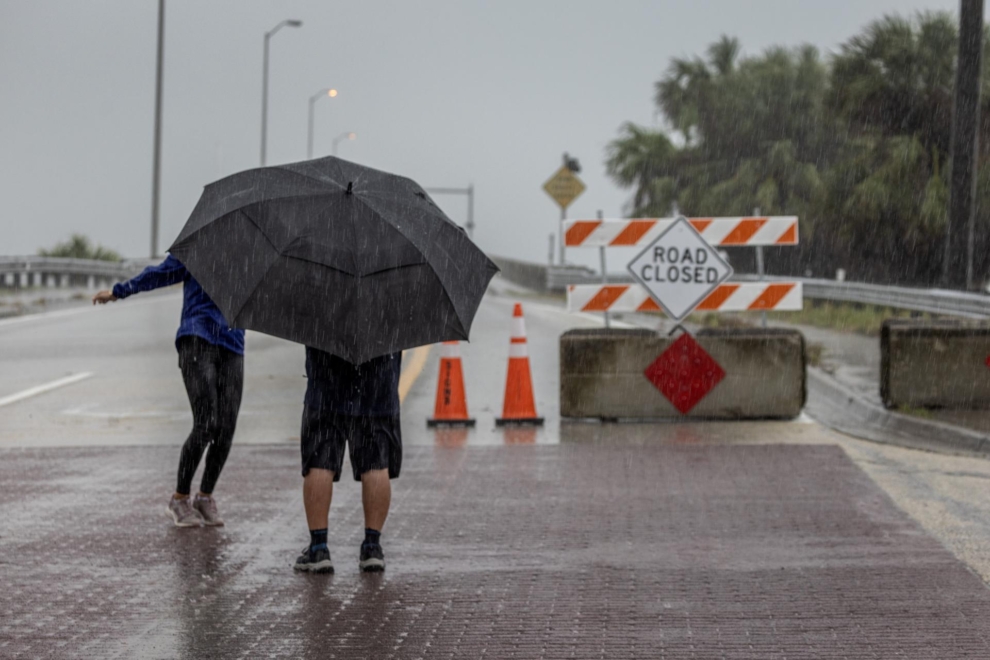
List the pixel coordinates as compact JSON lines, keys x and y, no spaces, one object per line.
{"x":80,"y":247}
{"x":855,"y":145}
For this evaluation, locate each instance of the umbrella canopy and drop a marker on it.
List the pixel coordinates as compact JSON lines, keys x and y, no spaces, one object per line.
{"x":331,"y":254}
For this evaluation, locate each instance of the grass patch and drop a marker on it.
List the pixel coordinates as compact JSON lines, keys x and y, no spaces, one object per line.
{"x":848,"y":317}
{"x":923,"y":413}
{"x":813,"y":353}
{"x":725,"y":320}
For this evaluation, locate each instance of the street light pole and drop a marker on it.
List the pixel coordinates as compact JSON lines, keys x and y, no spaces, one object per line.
{"x":574,"y":166}
{"x":957,"y":270}
{"x":349,"y":135}
{"x":264,"y":85}
{"x":156,"y":167}
{"x":469,"y":225}
{"x":312,"y":102}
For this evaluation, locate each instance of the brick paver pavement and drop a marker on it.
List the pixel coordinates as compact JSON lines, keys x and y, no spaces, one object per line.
{"x":571,"y":551}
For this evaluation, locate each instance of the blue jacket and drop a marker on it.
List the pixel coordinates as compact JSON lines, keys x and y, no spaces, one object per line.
{"x":200,"y":316}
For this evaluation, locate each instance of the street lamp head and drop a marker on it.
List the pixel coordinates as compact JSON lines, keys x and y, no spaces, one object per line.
{"x":294,"y":23}
{"x":352,"y":136}
{"x":331,"y":93}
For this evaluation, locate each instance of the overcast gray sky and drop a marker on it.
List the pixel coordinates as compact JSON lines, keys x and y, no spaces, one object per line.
{"x":448,"y":92}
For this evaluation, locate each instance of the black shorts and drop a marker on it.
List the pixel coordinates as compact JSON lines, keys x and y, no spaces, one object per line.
{"x":375,"y":443}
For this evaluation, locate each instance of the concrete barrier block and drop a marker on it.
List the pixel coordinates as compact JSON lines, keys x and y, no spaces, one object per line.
{"x":928,"y":364}
{"x":602,"y":374}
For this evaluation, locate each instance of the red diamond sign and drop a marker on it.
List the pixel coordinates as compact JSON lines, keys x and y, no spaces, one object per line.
{"x":685,"y":373}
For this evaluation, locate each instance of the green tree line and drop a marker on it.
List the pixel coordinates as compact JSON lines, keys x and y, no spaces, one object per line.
{"x":856,"y":145}
{"x":80,"y":247}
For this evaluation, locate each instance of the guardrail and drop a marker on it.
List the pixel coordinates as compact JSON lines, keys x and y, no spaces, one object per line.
{"x":22,"y":272}
{"x":932,"y":301}
{"x":57,"y":271}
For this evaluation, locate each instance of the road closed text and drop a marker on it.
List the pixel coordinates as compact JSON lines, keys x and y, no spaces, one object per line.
{"x":679,"y":265}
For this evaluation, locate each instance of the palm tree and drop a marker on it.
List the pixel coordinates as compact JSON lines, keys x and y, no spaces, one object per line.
{"x":856,"y":147}
{"x":645,"y":160}
{"x":897,"y":77}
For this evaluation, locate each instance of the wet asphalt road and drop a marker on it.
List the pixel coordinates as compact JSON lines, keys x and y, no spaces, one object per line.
{"x":746,"y":540}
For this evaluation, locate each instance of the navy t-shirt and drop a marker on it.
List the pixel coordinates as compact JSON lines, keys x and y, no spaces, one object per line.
{"x":370,"y":389}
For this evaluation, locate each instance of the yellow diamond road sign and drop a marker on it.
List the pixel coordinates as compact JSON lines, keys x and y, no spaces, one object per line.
{"x":564,"y":187}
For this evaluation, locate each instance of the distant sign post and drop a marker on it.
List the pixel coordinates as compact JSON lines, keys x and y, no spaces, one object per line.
{"x":564,"y":187}
{"x":679,"y":269}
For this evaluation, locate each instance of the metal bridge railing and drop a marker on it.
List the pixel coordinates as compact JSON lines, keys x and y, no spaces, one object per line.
{"x":932,"y":301}
{"x":24,"y":271}
{"x":57,"y":271}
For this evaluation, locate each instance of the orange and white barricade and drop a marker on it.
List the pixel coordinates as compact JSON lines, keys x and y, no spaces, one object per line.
{"x":728,"y":297}
{"x":721,"y":232}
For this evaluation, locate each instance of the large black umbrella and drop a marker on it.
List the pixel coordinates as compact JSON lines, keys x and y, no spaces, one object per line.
{"x":331,"y":254}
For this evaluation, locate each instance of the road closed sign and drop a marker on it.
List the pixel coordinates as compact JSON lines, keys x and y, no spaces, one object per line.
{"x":679,"y":269}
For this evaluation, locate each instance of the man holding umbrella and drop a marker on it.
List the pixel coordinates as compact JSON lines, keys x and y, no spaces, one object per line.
{"x":356,"y":264}
{"x":357,"y":405}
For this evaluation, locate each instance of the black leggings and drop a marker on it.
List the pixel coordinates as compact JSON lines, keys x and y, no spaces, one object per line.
{"x":214,"y":379}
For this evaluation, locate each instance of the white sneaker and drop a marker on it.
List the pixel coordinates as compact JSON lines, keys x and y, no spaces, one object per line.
{"x":206,"y":506}
{"x":182,"y":513}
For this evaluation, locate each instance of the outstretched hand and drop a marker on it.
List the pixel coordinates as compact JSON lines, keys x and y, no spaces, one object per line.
{"x":103,"y":297}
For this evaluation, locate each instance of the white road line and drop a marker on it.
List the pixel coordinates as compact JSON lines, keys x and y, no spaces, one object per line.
{"x":88,"y":410}
{"x":41,"y":389}
{"x":43,"y":315}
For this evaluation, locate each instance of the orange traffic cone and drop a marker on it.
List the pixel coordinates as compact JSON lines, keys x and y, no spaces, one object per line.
{"x":519,"y":407}
{"x":451,"y":405}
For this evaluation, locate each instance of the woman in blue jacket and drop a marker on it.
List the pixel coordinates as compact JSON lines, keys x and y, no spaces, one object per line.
{"x":211,"y":357}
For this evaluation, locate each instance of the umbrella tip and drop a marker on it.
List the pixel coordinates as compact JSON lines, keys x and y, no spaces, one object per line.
{"x":350,"y":188}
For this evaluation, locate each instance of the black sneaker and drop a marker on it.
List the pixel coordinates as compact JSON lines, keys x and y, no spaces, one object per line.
{"x":372,"y":558}
{"x":315,"y":561}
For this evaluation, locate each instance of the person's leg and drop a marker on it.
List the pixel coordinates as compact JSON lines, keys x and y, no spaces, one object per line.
{"x":317,"y":495}
{"x":199,"y":374}
{"x":321,"y":444}
{"x":376,"y":456}
{"x":376,"y":496}
{"x":229,"y":387}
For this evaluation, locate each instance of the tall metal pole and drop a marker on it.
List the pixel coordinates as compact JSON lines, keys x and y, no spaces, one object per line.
{"x":760,"y":269}
{"x":957,"y":268}
{"x":156,"y":167}
{"x":346,"y":135}
{"x":264,"y":100}
{"x":329,"y":91}
{"x":470,"y":218}
{"x":601,"y":258}
{"x":573,"y":166}
{"x":264,"y":85}
{"x":309,"y":139}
